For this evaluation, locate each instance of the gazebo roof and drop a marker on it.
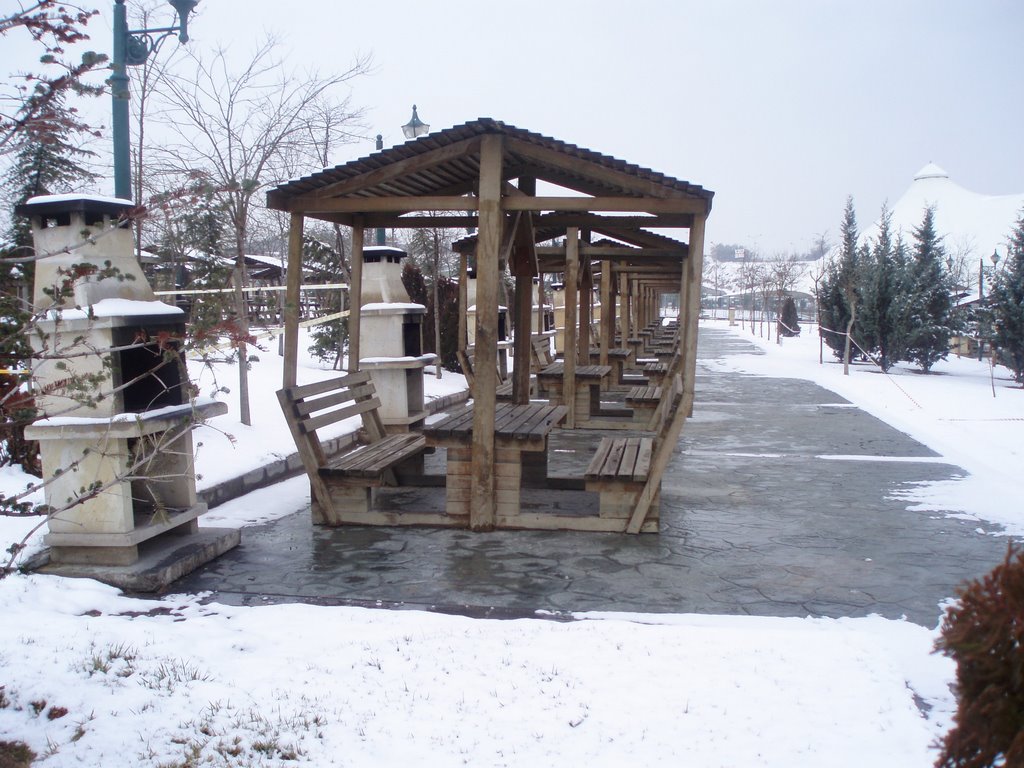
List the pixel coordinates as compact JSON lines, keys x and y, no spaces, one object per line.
{"x":447,"y":163}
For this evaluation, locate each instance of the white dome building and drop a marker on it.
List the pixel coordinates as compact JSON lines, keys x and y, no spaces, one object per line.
{"x":971,"y":224}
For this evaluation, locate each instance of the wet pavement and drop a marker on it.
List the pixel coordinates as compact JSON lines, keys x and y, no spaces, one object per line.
{"x":779,"y":502}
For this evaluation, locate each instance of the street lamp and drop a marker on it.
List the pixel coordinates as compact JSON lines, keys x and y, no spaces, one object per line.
{"x":415,"y":127}
{"x":132,"y":48}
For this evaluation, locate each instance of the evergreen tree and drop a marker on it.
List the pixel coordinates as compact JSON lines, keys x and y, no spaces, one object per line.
{"x":1007,"y":305}
{"x":880,"y":321}
{"x":839,"y":294}
{"x":322,"y":264}
{"x":930,"y":322}
{"x":46,"y":161}
{"x":789,"y":319}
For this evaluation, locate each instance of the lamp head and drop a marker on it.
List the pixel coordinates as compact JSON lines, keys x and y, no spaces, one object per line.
{"x":415,"y":127}
{"x":183,"y":8}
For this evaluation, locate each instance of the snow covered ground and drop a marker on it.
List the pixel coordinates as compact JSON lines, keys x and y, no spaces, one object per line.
{"x":92,"y":678}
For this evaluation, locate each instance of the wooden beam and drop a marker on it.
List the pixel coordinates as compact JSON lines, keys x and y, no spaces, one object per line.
{"x":615,"y":252}
{"x":392,"y":204}
{"x":588,"y":170}
{"x":395,"y":221}
{"x":599,"y":223}
{"x":355,"y":295}
{"x":393,"y":170}
{"x":483,"y":497}
{"x":624,"y":204}
{"x":292,"y":299}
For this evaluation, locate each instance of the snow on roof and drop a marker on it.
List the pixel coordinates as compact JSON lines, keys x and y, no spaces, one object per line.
{"x":117,"y":308}
{"x":971,"y":223}
{"x":77,"y":196}
{"x":931,"y":171}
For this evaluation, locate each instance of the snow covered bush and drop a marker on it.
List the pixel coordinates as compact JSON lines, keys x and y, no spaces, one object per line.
{"x":984,"y":634}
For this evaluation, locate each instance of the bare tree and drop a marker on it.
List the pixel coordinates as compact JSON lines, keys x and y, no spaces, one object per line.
{"x":245,"y":131}
{"x":784,"y":271}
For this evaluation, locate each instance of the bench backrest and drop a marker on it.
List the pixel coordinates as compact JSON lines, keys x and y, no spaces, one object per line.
{"x":541,"y":346}
{"x":467,"y":362}
{"x":310,"y":407}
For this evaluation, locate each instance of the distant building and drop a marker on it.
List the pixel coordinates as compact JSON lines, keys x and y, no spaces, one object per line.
{"x":972,"y":224}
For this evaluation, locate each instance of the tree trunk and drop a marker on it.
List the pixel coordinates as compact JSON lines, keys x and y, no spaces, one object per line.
{"x":849,"y":332}
{"x":242,"y":315}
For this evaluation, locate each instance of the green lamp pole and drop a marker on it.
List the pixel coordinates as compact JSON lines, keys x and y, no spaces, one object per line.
{"x":132,"y":48}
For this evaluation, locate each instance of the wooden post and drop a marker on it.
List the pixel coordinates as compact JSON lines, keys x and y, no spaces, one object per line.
{"x":635,"y":307}
{"x":607,"y":311}
{"x":623,"y":312}
{"x":523,"y":311}
{"x":291,"y":300}
{"x":586,"y":296}
{"x":463,"y":301}
{"x":693,"y":271}
{"x":572,"y":266}
{"x":483,"y":500}
{"x":355,"y":294}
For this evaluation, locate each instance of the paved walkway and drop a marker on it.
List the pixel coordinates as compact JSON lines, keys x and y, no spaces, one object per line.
{"x":778,"y":503}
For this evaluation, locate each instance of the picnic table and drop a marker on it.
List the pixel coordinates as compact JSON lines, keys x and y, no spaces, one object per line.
{"x":590,"y":380}
{"x":617,"y":359}
{"x":520,"y":452}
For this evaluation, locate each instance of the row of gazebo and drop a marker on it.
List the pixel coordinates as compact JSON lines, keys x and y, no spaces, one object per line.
{"x":539,"y":206}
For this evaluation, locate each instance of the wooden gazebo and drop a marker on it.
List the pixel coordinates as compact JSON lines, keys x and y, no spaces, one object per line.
{"x":496,"y":177}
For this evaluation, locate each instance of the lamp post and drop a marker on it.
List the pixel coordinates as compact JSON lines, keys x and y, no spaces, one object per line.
{"x":411,"y":130}
{"x":415,"y":127}
{"x":132,"y":48}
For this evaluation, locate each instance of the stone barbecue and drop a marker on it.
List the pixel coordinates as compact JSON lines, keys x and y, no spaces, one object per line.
{"x":116,"y":410}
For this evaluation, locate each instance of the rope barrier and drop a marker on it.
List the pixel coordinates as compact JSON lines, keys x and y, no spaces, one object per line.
{"x":870,"y":357}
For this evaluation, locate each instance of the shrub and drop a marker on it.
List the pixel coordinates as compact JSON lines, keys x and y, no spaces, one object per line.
{"x":984,"y":634}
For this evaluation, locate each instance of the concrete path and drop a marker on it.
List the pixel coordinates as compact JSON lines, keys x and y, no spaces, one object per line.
{"x":778,"y":503}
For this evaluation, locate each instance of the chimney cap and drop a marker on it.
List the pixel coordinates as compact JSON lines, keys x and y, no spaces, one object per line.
{"x":48,"y":205}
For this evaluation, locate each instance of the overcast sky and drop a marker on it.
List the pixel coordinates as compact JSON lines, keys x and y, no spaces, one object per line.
{"x":782,"y":108}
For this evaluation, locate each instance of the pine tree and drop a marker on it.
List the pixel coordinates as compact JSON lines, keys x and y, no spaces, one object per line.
{"x":46,"y":161}
{"x":839,"y":294}
{"x":930,"y":319}
{"x":789,"y":319}
{"x":1007,"y":305}
{"x":880,"y":321}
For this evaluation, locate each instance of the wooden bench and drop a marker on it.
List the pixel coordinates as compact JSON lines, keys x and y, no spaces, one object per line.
{"x":626,"y":471}
{"x":342,"y":485}
{"x":467,"y":360}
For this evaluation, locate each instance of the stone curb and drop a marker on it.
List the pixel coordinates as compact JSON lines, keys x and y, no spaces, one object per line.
{"x":291,"y":465}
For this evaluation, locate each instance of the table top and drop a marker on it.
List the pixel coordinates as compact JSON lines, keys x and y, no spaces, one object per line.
{"x":512,"y":422}
{"x":557,"y":370}
{"x":613,"y":352}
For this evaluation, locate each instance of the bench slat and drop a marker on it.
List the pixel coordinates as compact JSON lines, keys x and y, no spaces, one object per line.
{"x":313,"y":423}
{"x":307,"y":406}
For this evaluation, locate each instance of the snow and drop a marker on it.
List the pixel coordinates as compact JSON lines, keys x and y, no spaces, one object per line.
{"x":116,"y":308}
{"x":386,"y":688}
{"x":147,"y":683}
{"x":390,"y":305}
{"x":966,"y":411}
{"x":72,"y":196}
